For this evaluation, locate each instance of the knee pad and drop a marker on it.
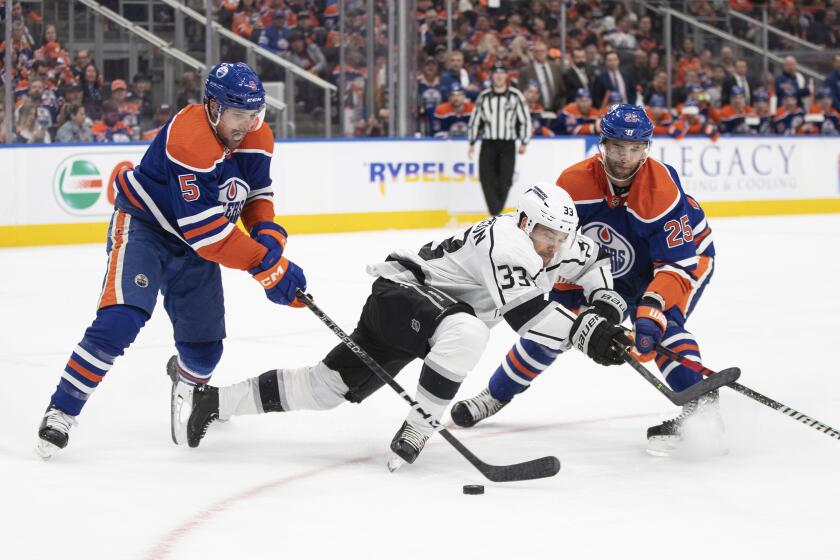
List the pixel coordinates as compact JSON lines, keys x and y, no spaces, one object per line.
{"x":114,"y":329}
{"x":308,"y":388}
{"x":457,"y":344}
{"x":199,"y":359}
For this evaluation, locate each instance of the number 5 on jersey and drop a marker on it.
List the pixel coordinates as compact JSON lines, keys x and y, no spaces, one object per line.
{"x":189,"y":190}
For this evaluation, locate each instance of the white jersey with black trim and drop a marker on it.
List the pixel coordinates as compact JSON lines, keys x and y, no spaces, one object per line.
{"x":493,"y":267}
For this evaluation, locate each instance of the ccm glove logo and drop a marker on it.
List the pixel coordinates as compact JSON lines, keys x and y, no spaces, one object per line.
{"x":274,"y":277}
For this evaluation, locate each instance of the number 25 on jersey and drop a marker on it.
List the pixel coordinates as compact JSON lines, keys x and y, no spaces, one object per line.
{"x":679,"y":232}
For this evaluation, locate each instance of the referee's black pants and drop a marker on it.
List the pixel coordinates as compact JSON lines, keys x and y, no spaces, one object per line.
{"x":496,"y":161}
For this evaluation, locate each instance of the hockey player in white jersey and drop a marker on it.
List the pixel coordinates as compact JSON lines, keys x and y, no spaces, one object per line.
{"x":437,"y":304}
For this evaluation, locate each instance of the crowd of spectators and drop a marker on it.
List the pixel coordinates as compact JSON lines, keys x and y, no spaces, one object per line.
{"x":612,"y":54}
{"x":59,"y":98}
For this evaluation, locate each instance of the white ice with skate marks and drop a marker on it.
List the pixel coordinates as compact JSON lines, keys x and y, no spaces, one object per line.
{"x":314,"y":485}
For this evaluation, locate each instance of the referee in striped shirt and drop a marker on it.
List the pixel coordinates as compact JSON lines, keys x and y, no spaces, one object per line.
{"x":500,"y":117}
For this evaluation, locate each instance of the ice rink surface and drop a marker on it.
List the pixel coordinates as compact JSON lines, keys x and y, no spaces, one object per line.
{"x":314,"y":485}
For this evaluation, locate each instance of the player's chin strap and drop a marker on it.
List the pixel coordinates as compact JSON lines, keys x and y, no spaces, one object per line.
{"x":214,"y":123}
{"x":613,"y":178}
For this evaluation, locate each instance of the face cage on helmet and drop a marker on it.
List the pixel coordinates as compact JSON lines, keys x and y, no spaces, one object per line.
{"x":603,"y":151}
{"x":258,"y":122}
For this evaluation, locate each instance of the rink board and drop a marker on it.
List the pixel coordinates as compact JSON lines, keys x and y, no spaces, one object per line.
{"x":63,"y":194}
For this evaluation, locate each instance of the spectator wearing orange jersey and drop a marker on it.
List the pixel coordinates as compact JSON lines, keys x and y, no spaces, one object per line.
{"x":663,"y":119}
{"x":790,"y":116}
{"x":482,"y":29}
{"x":451,"y":117}
{"x":688,"y":60}
{"x":162,"y":114}
{"x":226,"y":10}
{"x":579,"y":117}
{"x":692,"y":121}
{"x":246,"y":20}
{"x":645,"y":38}
{"x":733,"y":117}
{"x":822,"y":118}
{"x":514,"y":29}
{"x":110,"y":128}
{"x":129,"y":111}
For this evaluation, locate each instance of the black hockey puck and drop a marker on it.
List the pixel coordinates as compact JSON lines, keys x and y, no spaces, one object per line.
{"x":473,"y":489}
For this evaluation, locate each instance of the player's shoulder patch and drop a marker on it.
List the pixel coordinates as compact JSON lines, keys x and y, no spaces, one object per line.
{"x":584,"y":181}
{"x":190,"y":141}
{"x":259,"y":141}
{"x":655,"y":191}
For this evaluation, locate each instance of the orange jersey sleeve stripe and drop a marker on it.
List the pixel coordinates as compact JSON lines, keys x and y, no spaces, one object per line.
{"x":215,"y":224}
{"x":237,"y":250}
{"x":566,"y":287}
{"x":261,"y":210}
{"x":84,"y":372}
{"x":125,"y":190}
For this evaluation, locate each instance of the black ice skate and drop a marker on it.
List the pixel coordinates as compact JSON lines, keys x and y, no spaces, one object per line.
{"x":699,"y":424}
{"x":54,"y":432}
{"x":205,"y":410}
{"x":407,"y":444}
{"x":469,"y":412}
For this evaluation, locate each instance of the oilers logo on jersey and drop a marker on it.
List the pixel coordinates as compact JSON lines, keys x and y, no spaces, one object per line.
{"x":232,"y":194}
{"x":620,"y":250}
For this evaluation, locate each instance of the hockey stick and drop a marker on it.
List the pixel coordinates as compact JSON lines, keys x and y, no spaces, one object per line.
{"x":679,"y":398}
{"x":754,"y":395}
{"x":537,"y":468}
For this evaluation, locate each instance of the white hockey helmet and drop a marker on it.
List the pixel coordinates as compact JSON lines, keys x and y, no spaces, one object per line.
{"x":550,"y":206}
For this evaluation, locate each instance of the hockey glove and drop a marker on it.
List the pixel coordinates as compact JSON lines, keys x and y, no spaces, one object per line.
{"x":608,"y":304}
{"x":280,"y":278}
{"x":271,"y":235}
{"x":650,"y":325}
{"x":598,"y":338}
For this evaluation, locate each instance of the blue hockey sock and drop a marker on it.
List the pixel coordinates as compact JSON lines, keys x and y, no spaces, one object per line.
{"x":197,"y":360}
{"x":678,"y":376}
{"x":113,"y":330}
{"x":524,"y":363}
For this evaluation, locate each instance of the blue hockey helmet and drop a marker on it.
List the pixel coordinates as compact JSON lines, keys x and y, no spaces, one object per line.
{"x":626,"y":122}
{"x":235,"y":86}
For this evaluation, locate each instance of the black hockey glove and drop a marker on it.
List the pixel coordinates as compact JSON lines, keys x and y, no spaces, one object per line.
{"x":608,"y":304}
{"x":598,"y":338}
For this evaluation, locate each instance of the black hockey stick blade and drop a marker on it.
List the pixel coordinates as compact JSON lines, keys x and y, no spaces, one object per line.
{"x":543,"y":467}
{"x":754,"y":395}
{"x":529,"y":470}
{"x":716,"y":381}
{"x":680,"y":398}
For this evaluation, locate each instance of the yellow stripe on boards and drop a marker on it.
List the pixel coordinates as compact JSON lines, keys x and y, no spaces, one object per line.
{"x":69,"y":234}
{"x":716,"y":209}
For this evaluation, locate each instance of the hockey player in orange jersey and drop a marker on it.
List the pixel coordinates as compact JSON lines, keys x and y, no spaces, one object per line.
{"x":662,"y":260}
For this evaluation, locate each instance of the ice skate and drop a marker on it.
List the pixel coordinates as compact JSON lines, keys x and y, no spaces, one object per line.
{"x":469,"y":412}
{"x":54,"y":432}
{"x":181,"y":403}
{"x":407,"y":444}
{"x":205,"y":411}
{"x":697,"y":430}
